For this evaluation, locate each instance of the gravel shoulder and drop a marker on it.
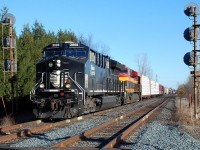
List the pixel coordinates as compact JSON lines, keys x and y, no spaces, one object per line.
{"x":172,"y":129}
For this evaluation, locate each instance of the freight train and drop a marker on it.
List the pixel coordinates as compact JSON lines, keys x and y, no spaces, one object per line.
{"x":72,"y":79}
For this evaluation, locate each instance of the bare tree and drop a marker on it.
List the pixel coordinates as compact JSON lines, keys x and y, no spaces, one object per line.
{"x":188,"y":86}
{"x":144,"y":67}
{"x":103,"y":48}
{"x":100,"y":47}
{"x":86,"y":40}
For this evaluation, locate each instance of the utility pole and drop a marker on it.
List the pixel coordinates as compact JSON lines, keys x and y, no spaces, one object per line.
{"x":191,"y":34}
{"x":195,"y":64}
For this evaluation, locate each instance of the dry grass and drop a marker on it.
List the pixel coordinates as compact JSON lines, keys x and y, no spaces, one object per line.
{"x":185,"y":117}
{"x":7,"y":121}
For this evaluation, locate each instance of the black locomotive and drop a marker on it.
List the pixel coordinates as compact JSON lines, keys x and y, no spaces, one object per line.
{"x":73,"y":79}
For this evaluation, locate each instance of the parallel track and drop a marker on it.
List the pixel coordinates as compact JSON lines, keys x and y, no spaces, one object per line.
{"x":109,"y":134}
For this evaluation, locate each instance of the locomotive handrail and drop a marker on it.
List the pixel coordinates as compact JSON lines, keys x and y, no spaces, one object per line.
{"x":36,"y":86}
{"x":79,"y":86}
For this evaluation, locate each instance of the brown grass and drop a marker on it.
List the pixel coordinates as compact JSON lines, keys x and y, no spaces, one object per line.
{"x":185,"y":117}
{"x":7,"y":121}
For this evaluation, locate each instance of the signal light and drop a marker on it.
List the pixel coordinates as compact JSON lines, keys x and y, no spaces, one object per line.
{"x":7,"y":65}
{"x":6,"y":42}
{"x":188,"y":59}
{"x":189,"y":34}
{"x":191,"y":9}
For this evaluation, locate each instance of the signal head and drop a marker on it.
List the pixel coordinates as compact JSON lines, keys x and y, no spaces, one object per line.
{"x":191,"y":9}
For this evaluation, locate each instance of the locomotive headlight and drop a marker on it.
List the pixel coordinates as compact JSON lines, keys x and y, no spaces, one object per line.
{"x":41,"y":85}
{"x":68,"y":85}
{"x":58,"y":63}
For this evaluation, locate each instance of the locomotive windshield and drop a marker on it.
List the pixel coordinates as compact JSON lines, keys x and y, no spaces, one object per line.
{"x":78,"y":54}
{"x":53,"y":53}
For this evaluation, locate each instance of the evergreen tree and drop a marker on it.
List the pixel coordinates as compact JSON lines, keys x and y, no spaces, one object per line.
{"x":25,"y":61}
{"x":64,"y":36}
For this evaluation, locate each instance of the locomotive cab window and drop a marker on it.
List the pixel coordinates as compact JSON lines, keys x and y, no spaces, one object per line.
{"x":76,"y":53}
{"x":81,"y":54}
{"x":53,"y":53}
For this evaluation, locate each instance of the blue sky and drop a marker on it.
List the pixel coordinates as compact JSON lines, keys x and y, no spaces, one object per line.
{"x":129,"y":28}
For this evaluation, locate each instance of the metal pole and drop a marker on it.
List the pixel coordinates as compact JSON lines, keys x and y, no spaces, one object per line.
{"x":4,"y":79}
{"x":180,"y":105}
{"x":195,"y":64}
{"x":11,"y":50}
{"x":197,"y":94}
{"x":11,"y":65}
{"x":190,"y":106}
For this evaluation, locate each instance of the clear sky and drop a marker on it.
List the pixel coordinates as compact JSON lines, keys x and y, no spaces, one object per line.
{"x":129,"y":27}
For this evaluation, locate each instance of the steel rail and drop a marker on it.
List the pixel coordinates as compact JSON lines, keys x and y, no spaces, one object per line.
{"x":91,"y":131}
{"x":18,"y":126}
{"x":29,"y":132}
{"x":124,"y":134}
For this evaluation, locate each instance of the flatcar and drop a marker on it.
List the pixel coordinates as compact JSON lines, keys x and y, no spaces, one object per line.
{"x":73,"y":79}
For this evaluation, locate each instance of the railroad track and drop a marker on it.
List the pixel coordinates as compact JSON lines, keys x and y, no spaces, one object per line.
{"x":40,"y":131}
{"x":35,"y":127}
{"x":111,"y":133}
